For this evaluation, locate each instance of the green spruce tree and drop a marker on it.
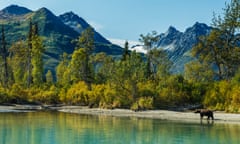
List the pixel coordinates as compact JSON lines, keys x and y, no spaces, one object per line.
{"x":4,"y":54}
{"x":84,"y":49}
{"x":149,"y":43}
{"x":37,"y":57}
{"x":126,"y":51}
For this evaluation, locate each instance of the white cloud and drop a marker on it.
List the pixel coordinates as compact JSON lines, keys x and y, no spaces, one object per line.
{"x":96,"y":26}
{"x":133,"y":45}
{"x":121,"y":42}
{"x":139,"y":48}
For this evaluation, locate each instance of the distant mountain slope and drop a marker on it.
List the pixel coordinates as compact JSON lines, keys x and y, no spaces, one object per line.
{"x":15,"y":10}
{"x":79,"y":24}
{"x":57,"y":32}
{"x":179,"y":44}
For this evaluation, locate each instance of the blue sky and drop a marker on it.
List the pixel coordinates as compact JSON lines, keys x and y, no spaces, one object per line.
{"x":127,"y":19}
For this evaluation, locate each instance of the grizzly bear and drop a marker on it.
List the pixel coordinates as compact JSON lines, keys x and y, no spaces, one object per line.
{"x":204,"y":112}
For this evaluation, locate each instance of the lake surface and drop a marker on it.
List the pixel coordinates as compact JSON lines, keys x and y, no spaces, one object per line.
{"x":64,"y":128}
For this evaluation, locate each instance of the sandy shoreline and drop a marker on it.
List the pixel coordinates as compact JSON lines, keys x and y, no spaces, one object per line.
{"x":220,"y":117}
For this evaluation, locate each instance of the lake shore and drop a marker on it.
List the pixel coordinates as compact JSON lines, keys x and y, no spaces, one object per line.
{"x":190,"y":116}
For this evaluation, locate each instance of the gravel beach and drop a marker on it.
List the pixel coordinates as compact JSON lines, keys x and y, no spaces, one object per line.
{"x":219,"y":117}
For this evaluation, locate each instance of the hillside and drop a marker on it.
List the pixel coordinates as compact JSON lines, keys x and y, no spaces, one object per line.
{"x":58,"y":32}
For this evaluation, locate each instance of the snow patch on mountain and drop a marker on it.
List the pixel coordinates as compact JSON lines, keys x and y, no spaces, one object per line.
{"x":170,"y":47}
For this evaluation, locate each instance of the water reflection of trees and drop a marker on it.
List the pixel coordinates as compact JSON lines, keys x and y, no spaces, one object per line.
{"x":62,"y":128}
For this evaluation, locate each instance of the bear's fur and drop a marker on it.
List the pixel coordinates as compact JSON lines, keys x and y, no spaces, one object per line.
{"x":204,"y":112}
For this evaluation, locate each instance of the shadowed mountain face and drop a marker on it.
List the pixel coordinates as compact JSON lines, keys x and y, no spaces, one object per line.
{"x":57,"y":32}
{"x":179,"y":44}
{"x":79,"y":24}
{"x":15,"y":10}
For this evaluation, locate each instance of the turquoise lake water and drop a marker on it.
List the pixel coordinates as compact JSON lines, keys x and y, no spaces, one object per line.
{"x":63,"y":128}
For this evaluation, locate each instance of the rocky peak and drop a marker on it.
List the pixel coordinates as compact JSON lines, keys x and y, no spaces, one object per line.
{"x":192,"y":34}
{"x":49,"y":18}
{"x":46,"y":12}
{"x":172,"y":30}
{"x":179,"y":44}
{"x":79,"y":24}
{"x":69,"y":16}
{"x":15,"y":10}
{"x":74,"y":21}
{"x":199,"y":28}
{"x":168,"y":39}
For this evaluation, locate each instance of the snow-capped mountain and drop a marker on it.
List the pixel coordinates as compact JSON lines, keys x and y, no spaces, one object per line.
{"x":177,"y":44}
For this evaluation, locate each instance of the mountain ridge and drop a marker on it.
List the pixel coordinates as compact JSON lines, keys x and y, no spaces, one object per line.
{"x":15,"y":10}
{"x":56,"y":34}
{"x":59,"y":31}
{"x":179,"y":44}
{"x":79,"y":24}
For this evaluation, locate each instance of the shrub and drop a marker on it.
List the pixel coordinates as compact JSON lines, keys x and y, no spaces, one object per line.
{"x":77,"y":94}
{"x":143,"y":103}
{"x":18,"y":94}
{"x":46,"y":96}
{"x":218,"y":95}
{"x":135,"y":107}
{"x":4,"y":97}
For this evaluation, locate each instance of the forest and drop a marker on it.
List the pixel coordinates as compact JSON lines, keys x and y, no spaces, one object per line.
{"x":134,"y":81}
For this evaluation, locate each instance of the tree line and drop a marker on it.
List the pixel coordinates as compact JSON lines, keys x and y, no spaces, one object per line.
{"x":133,"y":81}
